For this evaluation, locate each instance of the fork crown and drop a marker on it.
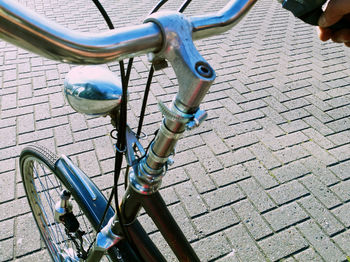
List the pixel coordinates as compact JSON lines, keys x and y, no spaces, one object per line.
{"x":195,"y":77}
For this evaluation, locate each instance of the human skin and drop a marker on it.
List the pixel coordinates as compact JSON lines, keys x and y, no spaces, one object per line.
{"x":335,"y":11}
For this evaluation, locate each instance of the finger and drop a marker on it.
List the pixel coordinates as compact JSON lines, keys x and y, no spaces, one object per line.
{"x":324,"y":33}
{"x":335,"y":10}
{"x":341,"y":36}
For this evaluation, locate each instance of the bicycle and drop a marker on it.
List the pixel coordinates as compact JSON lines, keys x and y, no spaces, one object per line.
{"x":150,"y":165}
{"x":54,"y":185}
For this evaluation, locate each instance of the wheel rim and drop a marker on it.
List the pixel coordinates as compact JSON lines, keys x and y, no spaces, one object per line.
{"x":43,"y":191}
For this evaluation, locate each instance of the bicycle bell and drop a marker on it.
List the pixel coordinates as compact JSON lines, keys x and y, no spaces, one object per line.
{"x":92,"y":90}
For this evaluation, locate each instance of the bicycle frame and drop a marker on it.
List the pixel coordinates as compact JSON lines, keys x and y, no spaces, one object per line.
{"x":169,"y":36}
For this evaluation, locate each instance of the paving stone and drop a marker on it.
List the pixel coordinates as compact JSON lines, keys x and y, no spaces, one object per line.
{"x":88,"y":161}
{"x":13,"y":208}
{"x":339,"y":125}
{"x":215,"y":143}
{"x":342,"y":240}
{"x":321,"y":215}
{"x":7,"y":179}
{"x":319,"y":152}
{"x":342,"y":190}
{"x":10,"y":134}
{"x":6,"y":229}
{"x":6,"y":250}
{"x":290,"y":171}
{"x":26,"y":226}
{"x":254,"y":222}
{"x":174,"y":176}
{"x":342,"y":213}
{"x":287,"y":192}
{"x":231,"y":257}
{"x":320,"y":242}
{"x":340,"y":138}
{"x":41,"y":256}
{"x":341,"y":170}
{"x":342,"y":152}
{"x":201,"y":179}
{"x":285,"y":216}
{"x":230,"y":175}
{"x":321,"y":171}
{"x":265,"y":156}
{"x":271,"y":127}
{"x":320,"y":191}
{"x":242,"y":140}
{"x":223,"y":196}
{"x":192,"y":200}
{"x":224,"y":217}
{"x":314,"y":135}
{"x":36,"y":135}
{"x":291,"y":154}
{"x":261,"y":174}
{"x":318,"y":125}
{"x":280,"y":245}
{"x":308,"y":255}
{"x":293,"y":139}
{"x":207,"y":158}
{"x":217,"y":244}
{"x":257,"y":195}
{"x":243,"y":244}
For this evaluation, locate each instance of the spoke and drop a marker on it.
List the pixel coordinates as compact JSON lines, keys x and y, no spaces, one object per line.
{"x":44,"y":189}
{"x":54,"y":226}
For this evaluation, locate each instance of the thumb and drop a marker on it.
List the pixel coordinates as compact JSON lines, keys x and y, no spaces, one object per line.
{"x":335,"y":10}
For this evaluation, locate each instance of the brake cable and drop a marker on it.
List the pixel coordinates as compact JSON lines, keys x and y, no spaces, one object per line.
{"x":121,"y":141}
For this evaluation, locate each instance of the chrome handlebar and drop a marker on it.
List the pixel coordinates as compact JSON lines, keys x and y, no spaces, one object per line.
{"x":26,"y":29}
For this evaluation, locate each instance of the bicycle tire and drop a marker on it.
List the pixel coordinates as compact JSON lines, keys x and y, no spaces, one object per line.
{"x":51,"y":181}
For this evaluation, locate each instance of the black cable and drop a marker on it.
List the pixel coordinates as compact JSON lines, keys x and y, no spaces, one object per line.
{"x":104,"y":14}
{"x":144,"y":102}
{"x":158,"y":6}
{"x":184,"y":5}
{"x":121,"y":141}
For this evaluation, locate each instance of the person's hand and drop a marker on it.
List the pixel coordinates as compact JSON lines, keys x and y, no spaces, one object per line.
{"x":335,"y":11}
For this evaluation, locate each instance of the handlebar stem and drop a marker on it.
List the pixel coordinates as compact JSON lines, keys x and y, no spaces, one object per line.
{"x":195,"y":77}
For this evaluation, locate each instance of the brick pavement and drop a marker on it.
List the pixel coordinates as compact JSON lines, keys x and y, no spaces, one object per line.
{"x":265,"y":178}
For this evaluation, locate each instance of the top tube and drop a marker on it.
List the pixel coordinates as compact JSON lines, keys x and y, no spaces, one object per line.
{"x":33,"y":32}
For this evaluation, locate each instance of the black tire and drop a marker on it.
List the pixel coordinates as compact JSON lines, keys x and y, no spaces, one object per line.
{"x":43,"y":182}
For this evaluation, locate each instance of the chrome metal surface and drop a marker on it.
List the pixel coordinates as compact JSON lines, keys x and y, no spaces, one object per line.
{"x":63,"y":206}
{"x":92,"y":90}
{"x":33,"y":32}
{"x":180,"y":51}
{"x":195,"y":76}
{"x":105,"y":239}
{"x":197,"y":120}
{"x":144,"y":179}
{"x":132,"y":143}
{"x":217,"y":23}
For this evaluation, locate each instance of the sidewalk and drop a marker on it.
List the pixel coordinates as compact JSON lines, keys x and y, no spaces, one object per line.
{"x":265,"y":178}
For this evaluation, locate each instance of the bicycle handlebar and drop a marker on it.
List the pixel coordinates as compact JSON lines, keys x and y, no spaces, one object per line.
{"x":26,"y":29}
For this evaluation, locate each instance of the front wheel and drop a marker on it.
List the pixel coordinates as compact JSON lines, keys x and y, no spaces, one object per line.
{"x":44,"y":184}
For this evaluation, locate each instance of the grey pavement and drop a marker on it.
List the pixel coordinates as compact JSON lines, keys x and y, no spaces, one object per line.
{"x":265,"y":178}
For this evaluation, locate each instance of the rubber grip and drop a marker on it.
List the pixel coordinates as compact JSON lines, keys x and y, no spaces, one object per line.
{"x":313,"y":17}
